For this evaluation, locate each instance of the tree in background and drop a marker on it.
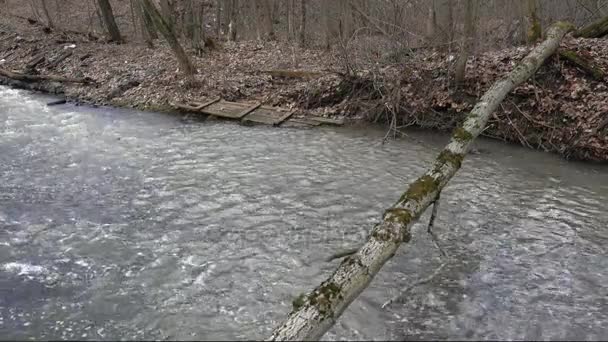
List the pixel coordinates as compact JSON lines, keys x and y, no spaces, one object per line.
{"x":533,"y":26}
{"x":468,"y":41}
{"x":163,"y":27}
{"x":108,"y":20}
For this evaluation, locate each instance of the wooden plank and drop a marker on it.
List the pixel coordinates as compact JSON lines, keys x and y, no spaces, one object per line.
{"x":285,"y":117}
{"x":298,"y":122}
{"x":264,"y":115}
{"x":249,"y":110}
{"x":328,"y":121}
{"x":194,"y":106}
{"x":208,"y":103}
{"x":225,"y":109}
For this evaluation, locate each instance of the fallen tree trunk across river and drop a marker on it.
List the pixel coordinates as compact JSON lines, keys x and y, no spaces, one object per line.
{"x":315,"y":313}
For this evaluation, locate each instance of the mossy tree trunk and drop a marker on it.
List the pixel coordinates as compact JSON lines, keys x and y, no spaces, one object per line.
{"x":315,"y":313}
{"x":162,"y":26}
{"x":533,"y":26}
{"x":148,"y":32}
{"x":108,"y":20}
{"x":470,"y":23}
{"x":596,"y":29}
{"x":168,"y":13}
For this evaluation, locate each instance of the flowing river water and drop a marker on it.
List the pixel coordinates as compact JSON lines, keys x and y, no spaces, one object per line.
{"x":118,"y":224}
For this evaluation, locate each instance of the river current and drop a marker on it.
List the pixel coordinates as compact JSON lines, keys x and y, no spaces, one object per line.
{"x":119,"y":224}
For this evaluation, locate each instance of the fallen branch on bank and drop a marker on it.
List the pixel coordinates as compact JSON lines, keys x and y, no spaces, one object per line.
{"x":315,"y":313}
{"x":38,"y":78}
{"x":293,"y":74}
{"x":583,"y":63}
{"x":596,"y":29}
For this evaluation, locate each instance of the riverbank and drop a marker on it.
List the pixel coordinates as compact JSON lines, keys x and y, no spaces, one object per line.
{"x":562,"y":110}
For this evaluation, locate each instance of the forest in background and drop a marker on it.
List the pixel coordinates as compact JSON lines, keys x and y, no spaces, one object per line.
{"x":317,"y":23}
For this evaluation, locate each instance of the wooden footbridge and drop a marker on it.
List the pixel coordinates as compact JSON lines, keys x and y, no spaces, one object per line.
{"x":254,"y":113}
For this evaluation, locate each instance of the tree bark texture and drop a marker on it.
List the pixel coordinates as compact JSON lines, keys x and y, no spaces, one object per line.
{"x":596,"y":29}
{"x":108,"y":20}
{"x":470,"y":23}
{"x":161,"y":25}
{"x":315,"y":313}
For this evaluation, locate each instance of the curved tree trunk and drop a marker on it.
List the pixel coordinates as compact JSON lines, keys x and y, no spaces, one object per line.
{"x":317,"y":312}
{"x":161,"y":25}
{"x":108,"y":19}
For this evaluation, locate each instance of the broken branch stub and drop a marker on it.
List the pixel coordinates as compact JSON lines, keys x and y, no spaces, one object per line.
{"x":315,"y":313}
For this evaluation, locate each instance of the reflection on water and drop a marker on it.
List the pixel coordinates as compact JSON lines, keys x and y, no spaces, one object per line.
{"x":126,"y":225}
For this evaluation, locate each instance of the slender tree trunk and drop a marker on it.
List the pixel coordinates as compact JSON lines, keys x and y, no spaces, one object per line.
{"x":531,"y":18}
{"x":315,"y":313}
{"x":346,"y":18}
{"x":303,"y":23}
{"x":47,"y":16}
{"x":290,"y":20}
{"x":198,"y":33}
{"x":330,"y":29}
{"x":267,"y":6}
{"x":161,"y":25}
{"x":443,"y":23}
{"x":470,"y":23}
{"x":218,"y":18}
{"x":232,"y":11}
{"x":108,"y":19}
{"x":166,"y":10}
{"x":256,"y":18}
{"x":148,"y":29}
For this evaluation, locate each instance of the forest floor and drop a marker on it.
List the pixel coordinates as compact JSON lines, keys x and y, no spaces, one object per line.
{"x":562,"y":109}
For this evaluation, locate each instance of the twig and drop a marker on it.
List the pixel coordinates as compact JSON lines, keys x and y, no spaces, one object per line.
{"x":342,"y":254}
{"x":432,"y":222}
{"x":522,"y":139}
{"x":437,"y":270}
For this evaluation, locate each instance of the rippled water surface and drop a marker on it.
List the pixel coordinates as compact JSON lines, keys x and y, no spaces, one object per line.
{"x":126,"y":225}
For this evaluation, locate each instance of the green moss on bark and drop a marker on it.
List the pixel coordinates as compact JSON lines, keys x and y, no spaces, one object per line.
{"x":462,"y":135}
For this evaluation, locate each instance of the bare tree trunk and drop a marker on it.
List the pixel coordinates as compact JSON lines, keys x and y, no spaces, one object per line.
{"x":470,"y":23}
{"x":108,"y":19}
{"x":194,"y":25}
{"x":47,"y":16}
{"x":148,"y":29}
{"x":431,"y":23}
{"x":290,"y":20}
{"x":232,"y":10}
{"x":161,"y":25}
{"x":443,"y":22}
{"x":166,"y":10}
{"x":315,"y":313}
{"x":256,"y":19}
{"x":531,"y":18}
{"x":346,"y":18}
{"x":303,"y":23}
{"x":329,"y":11}
{"x":218,"y":18}
{"x":267,"y":6}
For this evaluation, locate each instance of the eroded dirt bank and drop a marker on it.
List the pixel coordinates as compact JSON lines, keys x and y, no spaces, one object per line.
{"x":562,"y":109}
